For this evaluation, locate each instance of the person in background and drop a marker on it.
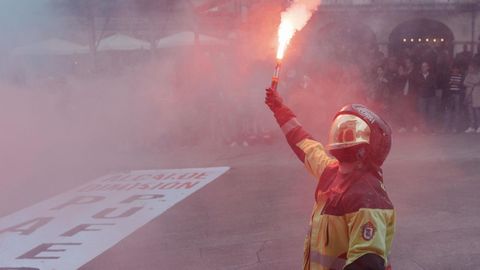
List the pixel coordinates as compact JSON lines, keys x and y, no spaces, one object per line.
{"x":391,"y":74}
{"x":442,"y":73}
{"x":380,"y":87}
{"x":453,"y":100}
{"x":472,"y":96}
{"x":476,"y":55}
{"x":405,"y":97}
{"x":425,"y":84}
{"x":464,"y":57}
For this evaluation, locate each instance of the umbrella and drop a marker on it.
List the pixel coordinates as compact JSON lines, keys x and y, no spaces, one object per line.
{"x":187,"y":38}
{"x":120,"y":42}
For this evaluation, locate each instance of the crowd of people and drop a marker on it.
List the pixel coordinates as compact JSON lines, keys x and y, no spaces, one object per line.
{"x":154,"y":103}
{"x":429,"y":92}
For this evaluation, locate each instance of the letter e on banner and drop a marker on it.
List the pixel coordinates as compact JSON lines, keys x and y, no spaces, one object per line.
{"x":44,"y":248}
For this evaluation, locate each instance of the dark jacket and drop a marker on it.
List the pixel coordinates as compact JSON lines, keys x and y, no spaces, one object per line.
{"x":401,"y":83}
{"x":425,"y":86}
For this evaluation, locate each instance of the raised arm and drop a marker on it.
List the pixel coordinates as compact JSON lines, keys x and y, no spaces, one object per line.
{"x":309,"y":151}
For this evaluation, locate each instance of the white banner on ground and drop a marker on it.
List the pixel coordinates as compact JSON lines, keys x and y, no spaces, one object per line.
{"x":68,"y":230}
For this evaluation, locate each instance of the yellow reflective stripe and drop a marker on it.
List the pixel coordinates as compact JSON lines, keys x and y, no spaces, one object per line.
{"x":329,"y":262}
{"x":316,"y":158}
{"x":290,"y":125}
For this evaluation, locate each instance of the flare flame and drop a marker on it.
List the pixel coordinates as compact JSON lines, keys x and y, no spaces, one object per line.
{"x":294,"y":19}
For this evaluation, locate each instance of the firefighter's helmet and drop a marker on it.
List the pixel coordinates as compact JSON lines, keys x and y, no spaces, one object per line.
{"x":359,"y":133}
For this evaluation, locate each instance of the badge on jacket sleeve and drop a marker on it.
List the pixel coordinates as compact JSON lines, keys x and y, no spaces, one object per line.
{"x":368,"y":230}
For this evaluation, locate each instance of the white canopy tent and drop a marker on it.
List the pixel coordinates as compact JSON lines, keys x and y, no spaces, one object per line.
{"x":187,"y":38}
{"x":120,"y":42}
{"x":53,"y":46}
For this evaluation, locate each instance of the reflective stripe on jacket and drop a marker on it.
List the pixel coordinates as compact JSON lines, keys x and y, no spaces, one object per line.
{"x":352,"y":215}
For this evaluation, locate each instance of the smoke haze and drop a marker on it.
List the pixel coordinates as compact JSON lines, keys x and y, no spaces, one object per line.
{"x":65,"y":122}
{"x":300,"y":12}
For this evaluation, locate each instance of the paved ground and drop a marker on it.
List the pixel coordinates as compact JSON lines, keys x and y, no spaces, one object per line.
{"x":256,"y":215}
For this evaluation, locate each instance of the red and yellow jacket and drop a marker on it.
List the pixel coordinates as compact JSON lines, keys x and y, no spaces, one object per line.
{"x":353,"y":220}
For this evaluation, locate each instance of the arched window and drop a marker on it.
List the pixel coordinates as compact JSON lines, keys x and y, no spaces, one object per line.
{"x":420,"y":37}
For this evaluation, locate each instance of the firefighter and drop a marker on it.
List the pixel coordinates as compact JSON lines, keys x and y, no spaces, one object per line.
{"x":353,"y":220}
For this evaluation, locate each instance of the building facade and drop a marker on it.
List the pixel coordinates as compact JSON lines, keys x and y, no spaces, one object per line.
{"x":394,"y":22}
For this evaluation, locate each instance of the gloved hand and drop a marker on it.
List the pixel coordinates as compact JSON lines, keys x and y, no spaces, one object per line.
{"x":281,"y":112}
{"x":273,"y":100}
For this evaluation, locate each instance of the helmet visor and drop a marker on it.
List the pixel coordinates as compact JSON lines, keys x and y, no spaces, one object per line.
{"x":348,"y":130}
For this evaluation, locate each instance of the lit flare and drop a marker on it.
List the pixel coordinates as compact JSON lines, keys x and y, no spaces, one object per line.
{"x":285,"y":34}
{"x":293,"y":19}
{"x":286,"y":30}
